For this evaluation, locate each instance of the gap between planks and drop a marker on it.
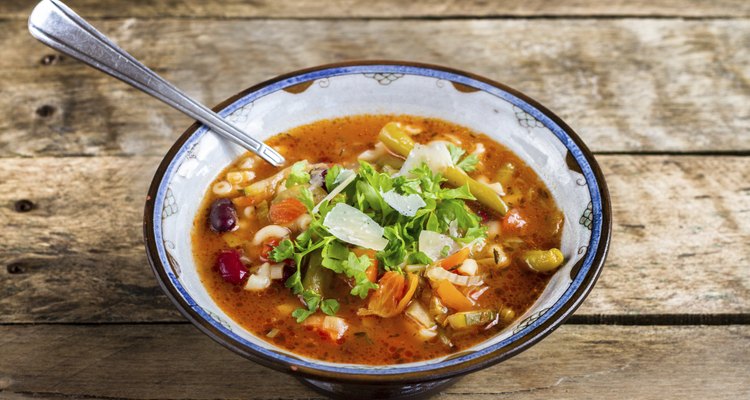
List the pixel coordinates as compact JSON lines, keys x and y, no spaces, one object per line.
{"x":348,"y":9}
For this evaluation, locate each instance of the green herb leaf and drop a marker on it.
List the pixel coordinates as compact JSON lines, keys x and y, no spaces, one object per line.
{"x":469,"y":163}
{"x":473,"y":233}
{"x":301,"y":314}
{"x":302,"y":240}
{"x":445,"y":251}
{"x":330,"y":306}
{"x":312,"y":299}
{"x":419,"y":258}
{"x":356,"y":267}
{"x":395,"y":251}
{"x":456,"y":152}
{"x":334,"y":254}
{"x":306,"y":197}
{"x":284,"y":251}
{"x":428,"y":180}
{"x":298,"y":174}
{"x":462,"y":192}
{"x":331,"y":176}
{"x":295,"y":281}
{"x":362,"y":288}
{"x":450,"y":210}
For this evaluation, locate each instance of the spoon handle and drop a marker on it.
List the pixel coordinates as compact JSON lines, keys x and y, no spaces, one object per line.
{"x":57,"y":26}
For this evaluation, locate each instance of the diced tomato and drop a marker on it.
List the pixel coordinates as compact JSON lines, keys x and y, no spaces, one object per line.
{"x":286,"y":211}
{"x":384,"y":301}
{"x":327,"y":327}
{"x":514,"y":222}
{"x":392,"y":296}
{"x":267,"y":247}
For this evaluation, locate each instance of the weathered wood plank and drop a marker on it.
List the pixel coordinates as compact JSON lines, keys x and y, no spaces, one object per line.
{"x":642,"y":85}
{"x":681,"y":239}
{"x":178,"y":362}
{"x":389,"y":8}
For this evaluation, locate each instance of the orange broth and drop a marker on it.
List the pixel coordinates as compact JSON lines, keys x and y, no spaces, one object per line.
{"x":374,"y":340}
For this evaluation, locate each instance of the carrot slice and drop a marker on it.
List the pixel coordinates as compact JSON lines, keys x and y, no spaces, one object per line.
{"x":455,"y":259}
{"x":286,"y":211}
{"x":413,"y":283}
{"x":452,"y":297}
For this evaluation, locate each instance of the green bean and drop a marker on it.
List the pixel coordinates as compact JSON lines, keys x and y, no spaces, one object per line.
{"x":399,"y":142}
{"x":317,"y":277}
{"x":543,"y":260}
{"x":457,"y":177}
{"x":396,"y":139}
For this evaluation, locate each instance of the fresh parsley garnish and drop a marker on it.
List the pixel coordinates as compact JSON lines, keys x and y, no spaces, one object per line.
{"x":444,"y":211}
{"x":468,"y":164}
{"x":298,"y":174}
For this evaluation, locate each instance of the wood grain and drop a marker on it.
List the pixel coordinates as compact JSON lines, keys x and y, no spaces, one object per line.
{"x":178,"y":362}
{"x":641,"y":85}
{"x":389,"y":8}
{"x":680,"y":245}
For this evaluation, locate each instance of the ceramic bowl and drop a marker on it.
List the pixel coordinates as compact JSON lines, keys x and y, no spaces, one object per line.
{"x":540,"y":138}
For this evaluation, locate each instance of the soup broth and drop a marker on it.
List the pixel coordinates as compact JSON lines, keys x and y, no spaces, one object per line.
{"x":491,"y":279}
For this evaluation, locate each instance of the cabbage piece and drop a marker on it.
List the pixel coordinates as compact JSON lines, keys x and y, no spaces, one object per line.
{"x":350,"y":225}
{"x":405,"y":205}
{"x":434,"y":154}
{"x":439,"y":274}
{"x":433,"y":243}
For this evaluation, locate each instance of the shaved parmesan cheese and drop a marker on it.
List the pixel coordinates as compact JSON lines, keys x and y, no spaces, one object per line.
{"x":338,"y":189}
{"x":405,"y":205}
{"x":433,"y":243}
{"x":343,"y":176}
{"x":350,"y":225}
{"x":434,"y":154}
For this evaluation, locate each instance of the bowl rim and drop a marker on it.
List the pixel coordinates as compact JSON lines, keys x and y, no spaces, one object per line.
{"x":429,"y":372}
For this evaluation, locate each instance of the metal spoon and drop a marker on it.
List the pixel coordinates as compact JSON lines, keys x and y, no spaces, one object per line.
{"x":57,"y":26}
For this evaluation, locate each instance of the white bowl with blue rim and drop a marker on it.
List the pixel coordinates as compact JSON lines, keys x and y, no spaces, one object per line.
{"x":541,"y":139}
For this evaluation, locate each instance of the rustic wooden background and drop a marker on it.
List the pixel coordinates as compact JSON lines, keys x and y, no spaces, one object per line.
{"x":659,"y":89}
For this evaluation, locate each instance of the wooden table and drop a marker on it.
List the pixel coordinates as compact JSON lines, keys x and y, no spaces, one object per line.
{"x":660,"y":90}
